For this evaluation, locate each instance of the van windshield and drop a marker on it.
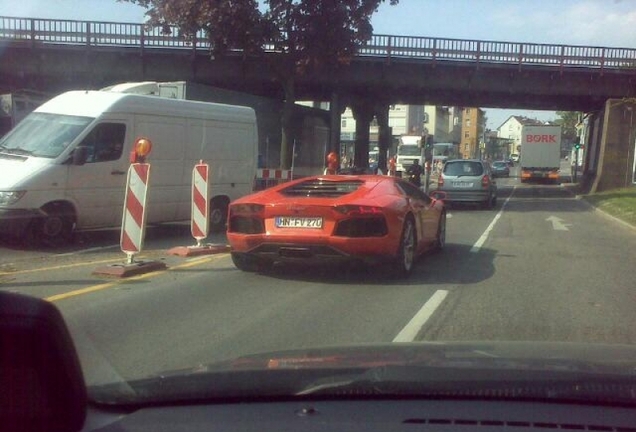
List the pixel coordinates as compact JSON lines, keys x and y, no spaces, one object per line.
{"x":406,"y":150}
{"x":44,"y":134}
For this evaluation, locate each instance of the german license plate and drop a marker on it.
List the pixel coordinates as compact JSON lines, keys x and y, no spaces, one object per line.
{"x":462,"y":184}
{"x":298,"y":222}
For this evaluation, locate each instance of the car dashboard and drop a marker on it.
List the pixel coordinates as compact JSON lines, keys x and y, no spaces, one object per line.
{"x":368,"y":415}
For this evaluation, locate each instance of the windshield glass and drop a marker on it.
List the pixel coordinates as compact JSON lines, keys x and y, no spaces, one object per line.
{"x":407,"y":150}
{"x":463,"y":168}
{"x":448,"y":150}
{"x":312,"y":199}
{"x":43,"y":134}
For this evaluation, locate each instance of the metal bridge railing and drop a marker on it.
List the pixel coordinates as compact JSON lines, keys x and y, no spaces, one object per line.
{"x":35,"y":32}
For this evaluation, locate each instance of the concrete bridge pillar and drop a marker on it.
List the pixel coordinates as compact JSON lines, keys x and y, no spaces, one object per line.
{"x":615,"y":166}
{"x":337,"y":107}
{"x":363,"y":111}
{"x":384,"y":134}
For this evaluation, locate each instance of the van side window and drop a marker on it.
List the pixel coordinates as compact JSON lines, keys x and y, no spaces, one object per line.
{"x":105,"y":142}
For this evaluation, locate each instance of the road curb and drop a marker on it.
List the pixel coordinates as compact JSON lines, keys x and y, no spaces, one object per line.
{"x":605,"y":214}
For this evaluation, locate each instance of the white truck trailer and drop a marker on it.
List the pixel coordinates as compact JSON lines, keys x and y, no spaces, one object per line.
{"x":540,"y":153}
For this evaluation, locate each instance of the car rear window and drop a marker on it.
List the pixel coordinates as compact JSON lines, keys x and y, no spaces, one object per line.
{"x":464,"y":168}
{"x":322,"y":188}
{"x":499,"y":164}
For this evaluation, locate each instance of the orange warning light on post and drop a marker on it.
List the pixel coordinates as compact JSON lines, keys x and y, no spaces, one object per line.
{"x":141,"y":149}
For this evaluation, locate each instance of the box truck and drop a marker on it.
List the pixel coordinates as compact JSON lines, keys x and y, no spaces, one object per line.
{"x":540,"y":157}
{"x":47,"y":191}
{"x":409,"y":149}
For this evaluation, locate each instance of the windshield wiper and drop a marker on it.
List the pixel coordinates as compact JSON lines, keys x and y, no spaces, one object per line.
{"x":17,"y":150}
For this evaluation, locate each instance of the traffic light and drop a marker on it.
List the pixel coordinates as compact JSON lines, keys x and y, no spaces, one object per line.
{"x":577,"y":143}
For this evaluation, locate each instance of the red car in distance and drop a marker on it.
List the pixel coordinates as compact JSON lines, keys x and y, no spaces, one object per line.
{"x":334,"y":218}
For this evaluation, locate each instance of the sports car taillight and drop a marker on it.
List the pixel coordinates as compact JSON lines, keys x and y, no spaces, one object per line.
{"x":246,"y":225}
{"x":361,"y":221}
{"x":358,"y":210}
{"x":374,"y":226}
{"x":247,"y":209}
{"x":246,"y":219}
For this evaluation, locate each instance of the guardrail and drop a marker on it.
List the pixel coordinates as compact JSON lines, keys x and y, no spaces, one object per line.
{"x":36,"y":32}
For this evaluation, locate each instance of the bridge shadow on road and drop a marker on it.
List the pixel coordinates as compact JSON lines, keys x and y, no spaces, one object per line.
{"x":455,"y":265}
{"x":530,"y":198}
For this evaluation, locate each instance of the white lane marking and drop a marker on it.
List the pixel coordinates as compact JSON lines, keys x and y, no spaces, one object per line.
{"x":410,"y":331}
{"x":449,"y":215}
{"x":481,"y":240}
{"x":557,"y":224}
{"x":81,"y":251}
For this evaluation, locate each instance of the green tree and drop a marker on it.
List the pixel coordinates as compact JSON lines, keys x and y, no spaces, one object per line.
{"x":568,"y":121}
{"x":309,"y":35}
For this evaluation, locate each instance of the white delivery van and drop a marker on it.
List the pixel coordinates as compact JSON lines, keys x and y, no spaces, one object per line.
{"x":48,"y":189}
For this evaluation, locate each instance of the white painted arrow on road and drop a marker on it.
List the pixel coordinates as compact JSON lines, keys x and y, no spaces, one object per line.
{"x":557,"y":224}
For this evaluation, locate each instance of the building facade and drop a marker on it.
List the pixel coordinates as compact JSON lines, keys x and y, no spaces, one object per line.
{"x":437,"y":123}
{"x":472,"y":133}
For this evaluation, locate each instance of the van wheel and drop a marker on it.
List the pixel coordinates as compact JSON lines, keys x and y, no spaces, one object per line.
{"x":55,"y":228}
{"x":218,"y":214}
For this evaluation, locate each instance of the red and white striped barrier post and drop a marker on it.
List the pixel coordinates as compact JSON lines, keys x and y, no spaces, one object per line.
{"x":133,"y":224}
{"x":200,"y":225}
{"x":200,"y":219}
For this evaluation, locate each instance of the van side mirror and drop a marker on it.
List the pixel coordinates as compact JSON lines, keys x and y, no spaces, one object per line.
{"x":80,"y":155}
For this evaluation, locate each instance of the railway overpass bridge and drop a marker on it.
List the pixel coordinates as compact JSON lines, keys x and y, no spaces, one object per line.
{"x":58,"y":55}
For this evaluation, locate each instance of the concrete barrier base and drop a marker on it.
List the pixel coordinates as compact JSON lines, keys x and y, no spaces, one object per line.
{"x":207,"y":249}
{"x":128,"y":270}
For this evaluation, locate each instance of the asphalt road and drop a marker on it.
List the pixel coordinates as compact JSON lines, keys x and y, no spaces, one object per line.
{"x":541,"y":266}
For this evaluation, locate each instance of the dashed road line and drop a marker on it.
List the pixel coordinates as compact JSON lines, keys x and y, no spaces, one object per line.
{"x":481,"y":240}
{"x":411,"y":330}
{"x":87,"y":250}
{"x":118,"y":282}
{"x":60,"y":267}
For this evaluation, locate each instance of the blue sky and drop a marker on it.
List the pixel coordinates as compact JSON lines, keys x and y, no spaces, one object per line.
{"x":576,"y":22}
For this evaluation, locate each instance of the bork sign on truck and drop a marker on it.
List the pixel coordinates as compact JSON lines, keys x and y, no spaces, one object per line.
{"x":540,"y":153}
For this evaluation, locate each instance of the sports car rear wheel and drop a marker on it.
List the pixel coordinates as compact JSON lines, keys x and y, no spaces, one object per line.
{"x":440,"y":240}
{"x":249,"y":263}
{"x":406,"y":253}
